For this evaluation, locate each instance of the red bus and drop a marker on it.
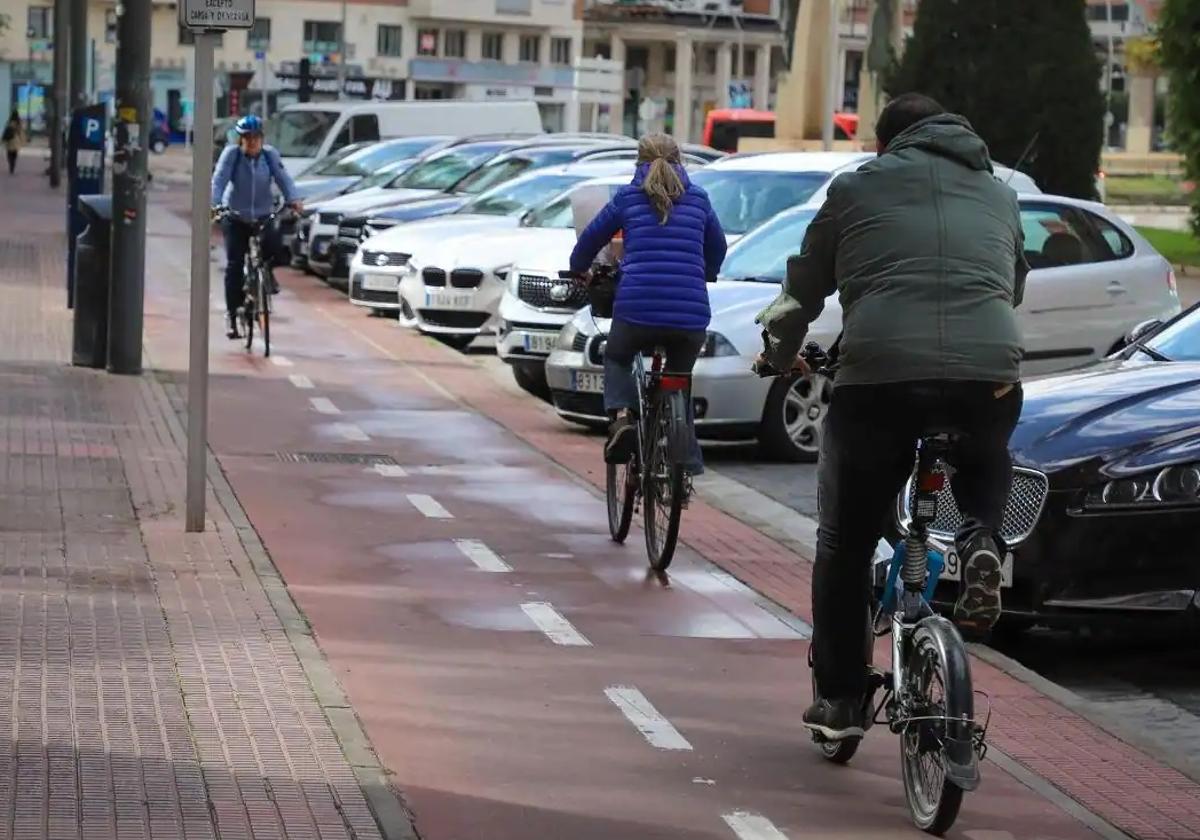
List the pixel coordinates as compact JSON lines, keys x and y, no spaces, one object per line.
{"x":724,"y":127}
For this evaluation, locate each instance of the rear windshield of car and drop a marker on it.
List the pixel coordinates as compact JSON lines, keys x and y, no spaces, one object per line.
{"x":445,"y":169}
{"x":763,"y":254}
{"x":745,"y":199}
{"x":369,"y":160}
{"x":517,"y":196}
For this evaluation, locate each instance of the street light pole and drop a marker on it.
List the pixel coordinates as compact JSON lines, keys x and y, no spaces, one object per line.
{"x":1109,"y":117}
{"x":341,"y":76}
{"x":831,"y":70}
{"x":58,"y":106}
{"x":29,"y":33}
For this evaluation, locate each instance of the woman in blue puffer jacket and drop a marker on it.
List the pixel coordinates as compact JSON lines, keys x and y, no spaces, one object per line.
{"x":673,"y":245}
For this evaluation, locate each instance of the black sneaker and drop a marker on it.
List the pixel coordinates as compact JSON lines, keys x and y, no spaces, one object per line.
{"x":231,"y":328}
{"x":978,"y":607}
{"x":835,"y":720}
{"x":622,"y":440}
{"x":272,"y":284}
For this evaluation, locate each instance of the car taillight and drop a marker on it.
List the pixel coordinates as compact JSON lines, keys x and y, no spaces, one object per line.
{"x":1171,"y":281}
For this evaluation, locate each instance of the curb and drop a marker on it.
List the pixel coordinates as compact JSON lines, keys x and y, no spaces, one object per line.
{"x":392,"y":816}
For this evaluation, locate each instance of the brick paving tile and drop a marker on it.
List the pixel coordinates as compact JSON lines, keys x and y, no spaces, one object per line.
{"x":1110,"y":777}
{"x":145,"y":679}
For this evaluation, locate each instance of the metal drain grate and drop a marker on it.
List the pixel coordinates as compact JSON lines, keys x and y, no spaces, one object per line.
{"x":334,"y":458}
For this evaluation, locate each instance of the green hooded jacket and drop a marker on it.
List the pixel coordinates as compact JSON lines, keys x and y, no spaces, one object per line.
{"x":924,"y":248}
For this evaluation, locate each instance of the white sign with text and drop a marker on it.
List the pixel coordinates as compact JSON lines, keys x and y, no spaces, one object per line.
{"x":216,"y":14}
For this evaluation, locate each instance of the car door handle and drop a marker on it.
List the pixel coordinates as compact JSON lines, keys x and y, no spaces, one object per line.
{"x":1116,"y":288}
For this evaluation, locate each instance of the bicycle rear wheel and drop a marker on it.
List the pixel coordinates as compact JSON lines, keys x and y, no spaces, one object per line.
{"x":663,"y":488}
{"x":938,"y":687}
{"x":620,"y":490}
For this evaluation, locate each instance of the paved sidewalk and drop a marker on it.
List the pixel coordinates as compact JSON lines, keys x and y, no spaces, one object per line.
{"x":148,"y":684}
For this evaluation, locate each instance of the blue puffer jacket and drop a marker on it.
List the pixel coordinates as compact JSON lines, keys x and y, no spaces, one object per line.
{"x":665,"y":267}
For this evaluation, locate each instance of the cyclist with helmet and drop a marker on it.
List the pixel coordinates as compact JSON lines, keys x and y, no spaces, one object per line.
{"x":242,"y":181}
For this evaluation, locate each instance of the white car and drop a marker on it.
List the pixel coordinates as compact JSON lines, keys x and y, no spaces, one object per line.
{"x":1094,"y":278}
{"x":381,"y":261}
{"x":745,"y":191}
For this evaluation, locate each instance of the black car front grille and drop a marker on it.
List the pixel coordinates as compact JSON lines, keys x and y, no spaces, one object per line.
{"x":1026,"y":499}
{"x":434,"y":276}
{"x":466,"y":278}
{"x":453,"y":318}
{"x":579,"y":343}
{"x":540,"y":291}
{"x":330,"y":218}
{"x":571,"y":402}
{"x":371,"y":258}
{"x":349,"y":232}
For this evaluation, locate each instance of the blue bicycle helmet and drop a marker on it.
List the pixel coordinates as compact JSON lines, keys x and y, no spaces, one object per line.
{"x":249,"y":124}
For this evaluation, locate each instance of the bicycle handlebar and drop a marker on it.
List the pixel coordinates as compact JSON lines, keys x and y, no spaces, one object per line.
{"x":819,"y":361}
{"x":222,"y":212}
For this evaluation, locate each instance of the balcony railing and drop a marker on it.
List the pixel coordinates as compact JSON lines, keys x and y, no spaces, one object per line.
{"x":730,"y":8}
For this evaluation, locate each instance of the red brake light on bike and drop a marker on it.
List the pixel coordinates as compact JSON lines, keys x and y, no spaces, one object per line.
{"x":931,"y":482}
{"x":673,"y":382}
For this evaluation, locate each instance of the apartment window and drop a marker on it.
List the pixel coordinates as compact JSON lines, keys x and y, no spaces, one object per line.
{"x":531,"y":48}
{"x":710,"y":61}
{"x":514,"y":7}
{"x":321,"y":36}
{"x":41,"y":21}
{"x":388,"y":40}
{"x":669,"y":59}
{"x":427,"y":42}
{"x":1099,"y":12}
{"x":454,"y":43}
{"x":110,"y":26}
{"x":560,"y":50}
{"x":258,"y":37}
{"x":493,"y":46}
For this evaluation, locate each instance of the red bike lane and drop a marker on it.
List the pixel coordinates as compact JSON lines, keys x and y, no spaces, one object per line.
{"x":519,"y":674}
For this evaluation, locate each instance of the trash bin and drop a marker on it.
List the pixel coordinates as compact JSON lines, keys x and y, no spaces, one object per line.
{"x":90,"y":346}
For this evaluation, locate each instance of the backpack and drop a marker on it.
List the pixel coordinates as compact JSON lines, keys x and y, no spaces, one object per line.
{"x":9,"y":134}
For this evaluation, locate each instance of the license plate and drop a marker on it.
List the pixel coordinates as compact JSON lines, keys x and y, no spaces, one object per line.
{"x":539,"y":342}
{"x":448,"y":300}
{"x":587,"y":382}
{"x":380,"y":282}
{"x":321,"y":249}
{"x":953,"y":568}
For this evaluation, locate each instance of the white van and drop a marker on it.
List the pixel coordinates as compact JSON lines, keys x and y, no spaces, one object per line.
{"x":305,"y":132}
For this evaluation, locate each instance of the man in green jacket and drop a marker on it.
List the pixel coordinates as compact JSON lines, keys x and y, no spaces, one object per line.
{"x":923,"y":245}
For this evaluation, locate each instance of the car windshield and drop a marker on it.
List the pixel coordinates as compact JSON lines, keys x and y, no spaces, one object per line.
{"x":506,"y":168}
{"x":744,"y":199}
{"x":1180,"y":341}
{"x":369,"y":160}
{"x":560,"y":212}
{"x":300,"y":133}
{"x":515,"y":197}
{"x":444,"y":170}
{"x":328,"y":164}
{"x":387,"y":173}
{"x":764,"y":253}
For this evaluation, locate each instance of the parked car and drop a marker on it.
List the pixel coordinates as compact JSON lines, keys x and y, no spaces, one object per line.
{"x":1094,"y":277}
{"x":1103,"y":519}
{"x":377,"y":267}
{"x":342,"y":172}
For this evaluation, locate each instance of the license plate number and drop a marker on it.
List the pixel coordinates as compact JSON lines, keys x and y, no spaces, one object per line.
{"x":587,"y":382}
{"x":539,"y":342}
{"x":448,"y":300}
{"x":380,"y":282}
{"x":953,"y":568}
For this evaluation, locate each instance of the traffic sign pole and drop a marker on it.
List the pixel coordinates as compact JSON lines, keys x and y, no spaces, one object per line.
{"x":206,"y":22}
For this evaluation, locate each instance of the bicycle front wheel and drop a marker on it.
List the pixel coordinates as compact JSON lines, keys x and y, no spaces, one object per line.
{"x":264,"y":307}
{"x":663,"y":491}
{"x":620,"y":490}
{"x":937,"y":743}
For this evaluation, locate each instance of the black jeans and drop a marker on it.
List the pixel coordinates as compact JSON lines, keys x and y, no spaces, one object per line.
{"x":12,"y":161}
{"x":867,"y":454}
{"x":237,"y":242}
{"x":625,"y":341}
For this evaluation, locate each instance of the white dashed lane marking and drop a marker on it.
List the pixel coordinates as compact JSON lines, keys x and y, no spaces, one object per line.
{"x":482,"y":556}
{"x":749,"y":826}
{"x":324,"y":405}
{"x":389,"y":470}
{"x":551,"y":622}
{"x":281,"y":361}
{"x":429,"y":506}
{"x":348,"y":431}
{"x":655,"y":728}
{"x":300,"y":381}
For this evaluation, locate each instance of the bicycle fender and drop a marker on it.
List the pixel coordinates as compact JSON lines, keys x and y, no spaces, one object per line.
{"x":962,"y":764}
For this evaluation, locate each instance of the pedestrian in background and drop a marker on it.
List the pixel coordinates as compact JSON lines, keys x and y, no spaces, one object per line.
{"x":13,"y":138}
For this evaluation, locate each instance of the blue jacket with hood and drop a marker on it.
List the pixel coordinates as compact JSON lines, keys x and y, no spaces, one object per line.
{"x":666,"y":266}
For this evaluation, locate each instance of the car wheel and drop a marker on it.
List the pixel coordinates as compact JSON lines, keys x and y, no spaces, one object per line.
{"x":792,"y":420}
{"x":158,"y":147}
{"x":532,"y":379}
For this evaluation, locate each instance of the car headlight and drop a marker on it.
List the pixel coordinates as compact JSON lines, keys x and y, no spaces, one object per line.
{"x":1177,"y":485}
{"x":567,"y":336}
{"x":717,"y":345}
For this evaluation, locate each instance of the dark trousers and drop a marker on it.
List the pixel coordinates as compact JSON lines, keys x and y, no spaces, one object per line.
{"x":12,"y":161}
{"x":867,"y":454}
{"x":625,"y":341}
{"x":237,"y":242}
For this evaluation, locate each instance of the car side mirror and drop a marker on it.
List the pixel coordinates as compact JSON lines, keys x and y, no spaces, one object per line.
{"x":1142,"y":330}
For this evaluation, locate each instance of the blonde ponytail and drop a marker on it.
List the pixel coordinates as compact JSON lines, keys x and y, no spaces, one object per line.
{"x":662,"y":183}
